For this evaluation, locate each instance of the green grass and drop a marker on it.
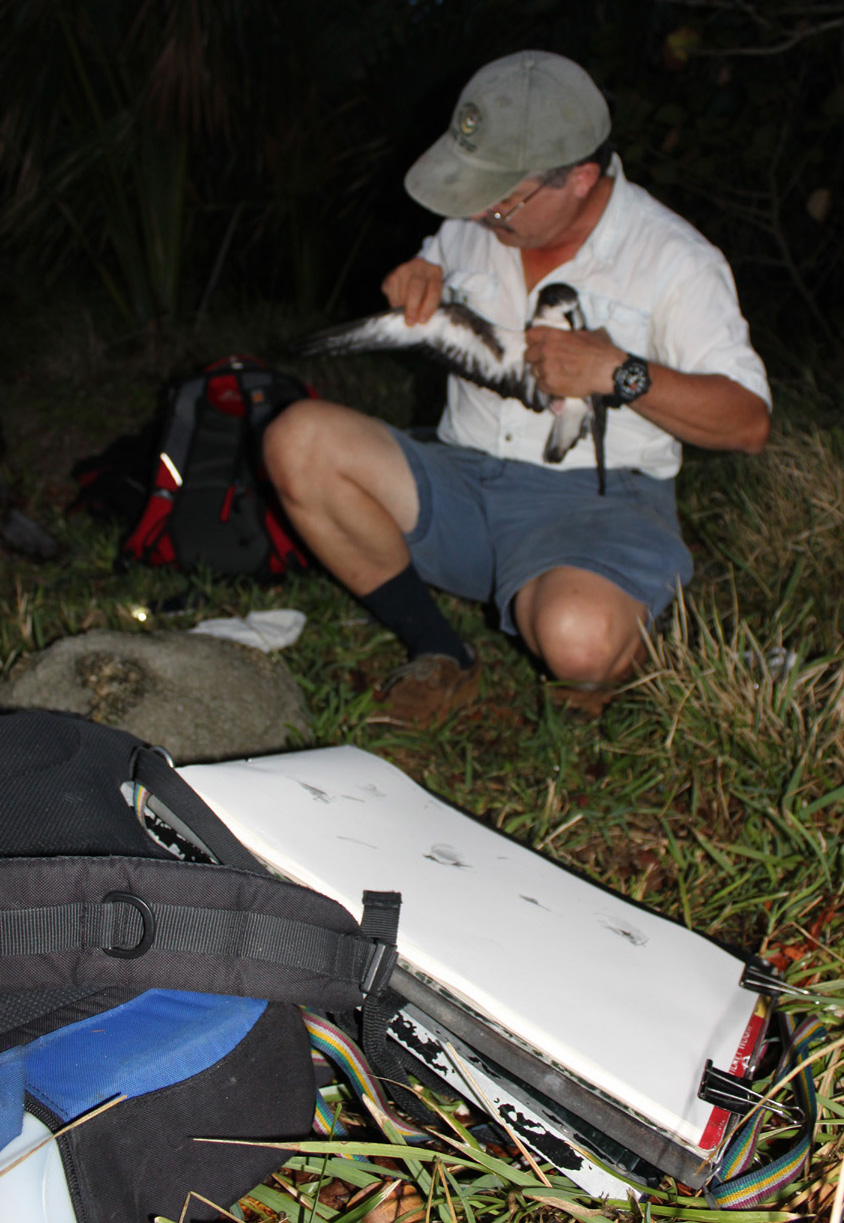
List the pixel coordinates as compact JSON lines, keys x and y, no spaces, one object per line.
{"x":710,"y":789}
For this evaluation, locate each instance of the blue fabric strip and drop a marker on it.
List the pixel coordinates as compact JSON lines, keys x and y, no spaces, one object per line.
{"x":12,"y":1085}
{"x":159,"y":1038}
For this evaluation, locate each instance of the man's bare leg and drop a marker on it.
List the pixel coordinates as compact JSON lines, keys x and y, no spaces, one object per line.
{"x":348,"y":489}
{"x":586,"y":630}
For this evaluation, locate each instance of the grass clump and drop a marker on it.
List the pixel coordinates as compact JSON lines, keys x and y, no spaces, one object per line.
{"x":767,"y":533}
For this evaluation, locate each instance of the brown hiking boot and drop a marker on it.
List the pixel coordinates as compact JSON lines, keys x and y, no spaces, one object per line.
{"x":425,"y":691}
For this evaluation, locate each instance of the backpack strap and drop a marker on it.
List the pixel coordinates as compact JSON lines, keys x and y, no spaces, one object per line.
{"x":178,"y":804}
{"x":113,"y":917}
{"x":150,"y":923}
{"x":186,"y":396}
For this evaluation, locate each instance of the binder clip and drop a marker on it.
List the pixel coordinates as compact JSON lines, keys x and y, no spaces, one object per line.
{"x":724,"y":1090}
{"x":763,"y":980}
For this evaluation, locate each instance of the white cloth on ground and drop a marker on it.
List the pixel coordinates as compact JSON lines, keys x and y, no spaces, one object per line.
{"x":266,"y":631}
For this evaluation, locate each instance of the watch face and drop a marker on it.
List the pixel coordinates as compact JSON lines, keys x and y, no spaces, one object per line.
{"x":632,"y":379}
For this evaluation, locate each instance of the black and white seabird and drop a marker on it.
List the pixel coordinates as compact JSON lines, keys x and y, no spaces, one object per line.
{"x":489,"y":356}
{"x":559,"y":306}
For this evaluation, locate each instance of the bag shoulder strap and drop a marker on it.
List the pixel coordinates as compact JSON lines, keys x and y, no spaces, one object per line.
{"x":178,"y":804}
{"x":151,"y":923}
{"x":226,"y":926}
{"x":181,"y":423}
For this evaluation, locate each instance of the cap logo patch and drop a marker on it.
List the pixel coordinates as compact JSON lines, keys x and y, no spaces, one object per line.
{"x":466,"y":123}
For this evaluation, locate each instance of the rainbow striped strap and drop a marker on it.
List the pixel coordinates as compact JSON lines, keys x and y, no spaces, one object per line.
{"x":734,"y":1186}
{"x":334,"y":1044}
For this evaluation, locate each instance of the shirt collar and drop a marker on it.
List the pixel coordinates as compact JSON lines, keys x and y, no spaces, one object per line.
{"x":604,"y":242}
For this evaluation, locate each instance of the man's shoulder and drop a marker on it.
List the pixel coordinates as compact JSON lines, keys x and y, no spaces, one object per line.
{"x":645,"y":216}
{"x":465,"y":243}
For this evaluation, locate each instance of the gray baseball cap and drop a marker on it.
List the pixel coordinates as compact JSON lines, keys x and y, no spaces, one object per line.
{"x":519,"y":115}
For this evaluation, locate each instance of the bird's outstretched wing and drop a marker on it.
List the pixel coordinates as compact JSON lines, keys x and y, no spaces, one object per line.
{"x":454,"y":337}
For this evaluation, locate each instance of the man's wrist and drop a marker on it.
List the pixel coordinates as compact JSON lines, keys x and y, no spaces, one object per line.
{"x":631,"y":379}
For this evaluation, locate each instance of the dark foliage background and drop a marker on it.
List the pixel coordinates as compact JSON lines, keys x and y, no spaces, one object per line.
{"x":195,"y":153}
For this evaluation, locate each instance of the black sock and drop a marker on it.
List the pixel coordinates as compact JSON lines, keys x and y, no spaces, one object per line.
{"x":405,"y":605}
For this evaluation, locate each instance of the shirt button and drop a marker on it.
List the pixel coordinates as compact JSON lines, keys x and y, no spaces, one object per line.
{"x":508,"y":437}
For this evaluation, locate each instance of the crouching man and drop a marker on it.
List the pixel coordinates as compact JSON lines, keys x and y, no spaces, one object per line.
{"x":533,"y":196}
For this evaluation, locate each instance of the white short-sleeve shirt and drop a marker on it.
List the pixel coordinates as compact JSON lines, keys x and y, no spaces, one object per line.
{"x":661,"y":290}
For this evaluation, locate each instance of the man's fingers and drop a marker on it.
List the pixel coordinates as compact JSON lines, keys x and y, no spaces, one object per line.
{"x":391,"y":287}
{"x":423,"y":296}
{"x":415,"y":287}
{"x":414,"y":300}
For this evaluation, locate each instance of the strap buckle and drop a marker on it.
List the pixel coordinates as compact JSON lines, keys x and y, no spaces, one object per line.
{"x":380,"y":923}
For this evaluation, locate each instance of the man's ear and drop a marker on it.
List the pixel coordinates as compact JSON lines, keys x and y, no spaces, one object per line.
{"x":585,"y":177}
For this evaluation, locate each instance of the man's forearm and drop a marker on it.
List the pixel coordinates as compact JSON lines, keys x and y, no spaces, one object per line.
{"x":708,"y":410}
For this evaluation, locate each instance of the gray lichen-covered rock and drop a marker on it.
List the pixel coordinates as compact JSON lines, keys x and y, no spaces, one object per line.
{"x":200,"y":697}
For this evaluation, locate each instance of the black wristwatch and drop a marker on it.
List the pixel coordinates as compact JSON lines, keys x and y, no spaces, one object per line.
{"x":631,"y":380}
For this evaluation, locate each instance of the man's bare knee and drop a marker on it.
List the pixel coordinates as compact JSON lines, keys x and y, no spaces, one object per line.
{"x":582,"y":649}
{"x":584,"y":628}
{"x":314,"y":444}
{"x":347,"y":487}
{"x":292,"y":441}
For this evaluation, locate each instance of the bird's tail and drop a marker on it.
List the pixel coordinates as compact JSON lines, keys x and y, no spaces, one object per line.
{"x":569,"y":426}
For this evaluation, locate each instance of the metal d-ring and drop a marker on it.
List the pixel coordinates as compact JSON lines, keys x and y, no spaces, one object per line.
{"x":148,"y":919}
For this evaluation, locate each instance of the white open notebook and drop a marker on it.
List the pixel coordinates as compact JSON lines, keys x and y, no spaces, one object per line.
{"x":621,"y":998}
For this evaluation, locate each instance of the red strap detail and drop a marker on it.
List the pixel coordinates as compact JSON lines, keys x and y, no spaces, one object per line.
{"x":226,"y":508}
{"x":150,"y":541}
{"x":164,"y":478}
{"x":163,"y":553}
{"x":284,"y":550}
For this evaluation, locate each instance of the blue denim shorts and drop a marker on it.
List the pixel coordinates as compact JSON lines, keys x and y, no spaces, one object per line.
{"x":488,"y":526}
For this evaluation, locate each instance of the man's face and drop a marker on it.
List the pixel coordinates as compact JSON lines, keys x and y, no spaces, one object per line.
{"x":534,"y":216}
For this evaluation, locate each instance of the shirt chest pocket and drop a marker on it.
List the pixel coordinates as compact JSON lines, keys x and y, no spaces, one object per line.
{"x":627,"y":326}
{"x":477,"y":290}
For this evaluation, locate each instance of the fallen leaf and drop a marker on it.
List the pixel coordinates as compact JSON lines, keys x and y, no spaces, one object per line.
{"x":404,"y":1203}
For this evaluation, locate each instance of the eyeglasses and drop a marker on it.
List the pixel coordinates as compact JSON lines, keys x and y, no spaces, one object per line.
{"x":503,"y":217}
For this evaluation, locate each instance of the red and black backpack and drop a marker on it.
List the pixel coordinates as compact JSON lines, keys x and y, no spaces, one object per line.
{"x":209,"y":501}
